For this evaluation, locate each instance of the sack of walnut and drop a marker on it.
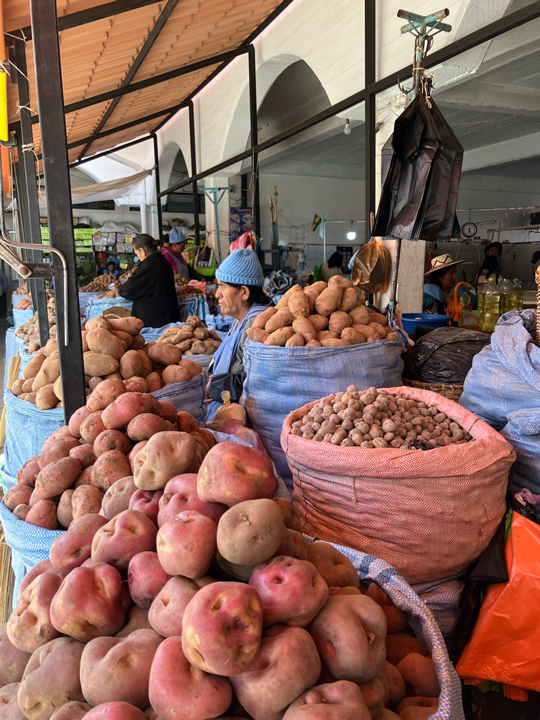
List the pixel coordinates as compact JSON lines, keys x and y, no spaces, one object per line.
{"x":428,"y":513}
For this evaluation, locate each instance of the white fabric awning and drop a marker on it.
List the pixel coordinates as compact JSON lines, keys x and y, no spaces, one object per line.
{"x":109,"y":190}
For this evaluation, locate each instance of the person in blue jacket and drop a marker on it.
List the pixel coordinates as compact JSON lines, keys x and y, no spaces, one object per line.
{"x":240,"y":295}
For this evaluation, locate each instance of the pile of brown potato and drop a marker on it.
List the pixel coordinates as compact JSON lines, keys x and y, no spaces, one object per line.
{"x":203,"y":599}
{"x":329,"y":314}
{"x":99,"y":284}
{"x":112,"y":348}
{"x":377,"y":419}
{"x":25,"y":303}
{"x":192,"y":338}
{"x":29,"y":331}
{"x":22,"y":289}
{"x":80,"y":462}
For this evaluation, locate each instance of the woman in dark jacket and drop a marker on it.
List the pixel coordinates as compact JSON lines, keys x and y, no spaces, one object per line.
{"x":151,"y":287}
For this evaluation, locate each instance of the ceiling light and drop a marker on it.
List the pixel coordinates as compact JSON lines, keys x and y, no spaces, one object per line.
{"x":347,"y":129}
{"x":351,"y":235}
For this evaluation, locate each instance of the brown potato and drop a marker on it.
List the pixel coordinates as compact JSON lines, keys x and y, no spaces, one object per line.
{"x":48,"y":373}
{"x":153,"y":381}
{"x":192,"y":367}
{"x":360,"y":315}
{"x":283,"y":318}
{"x":165,"y":354}
{"x":18,"y":387}
{"x":349,"y":300}
{"x":105,"y":343}
{"x":313,"y":343}
{"x":299,"y":305}
{"x":296,"y":340}
{"x":312,"y":292}
{"x":302,"y":326}
{"x":201,"y":333}
{"x":341,"y":281}
{"x":378,"y":318}
{"x":146,"y":364}
{"x":378,"y":330}
{"x":257,"y":334}
{"x":57,"y":387}
{"x":34,"y":366}
{"x":327,"y":335}
{"x":339,"y":321}
{"x":329,"y":300}
{"x":366,"y":331}
{"x":284,"y":302}
{"x":131,"y":364}
{"x":46,"y":398}
{"x":199,"y":348}
{"x":319,"y":322}
{"x":352,"y":336}
{"x":126,"y":337}
{"x":185,"y":345}
{"x":175,"y":374}
{"x":280,"y":337}
{"x":97,"y":364}
{"x":261,"y":319}
{"x":334,"y":343}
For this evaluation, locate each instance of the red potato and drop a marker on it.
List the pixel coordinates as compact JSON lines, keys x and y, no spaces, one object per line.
{"x":56,"y":477}
{"x":292,"y":591}
{"x":419,"y":673}
{"x":92,"y":426}
{"x":335,"y":568}
{"x":130,"y":325}
{"x":62,"y":432}
{"x":300,"y":545}
{"x":396,"y":684}
{"x":29,"y":625}
{"x":86,"y":500}
{"x":186,"y":544}
{"x":117,"y":497}
{"x":17,"y":495}
{"x":21,"y":511}
{"x":186,"y":422}
{"x":180,"y":494}
{"x":51,"y":678}
{"x":175,"y":684}
{"x":12,"y":660}
{"x":396,"y":619}
{"x":137,"y":619}
{"x":399,"y":645}
{"x":350,"y":633}
{"x":116,"y":710}
{"x":123,"y":537}
{"x":168,"y":411}
{"x":340,"y":700}
{"x":147,"y":502}
{"x":153,"y":380}
{"x":84,"y":454}
{"x":75,"y":421}
{"x":221,"y":628}
{"x":147,"y":424}
{"x":38,"y":569}
{"x":417,"y":702}
{"x":34,"y":498}
{"x":56,"y":449}
{"x":109,"y":467}
{"x":232,"y":473}
{"x":111,"y":440}
{"x":118,"y":669}
{"x":168,"y":607}
{"x":71,"y":711}
{"x":72,"y":548}
{"x":166,"y":455}
{"x":136,"y":384}
{"x":120,"y":412}
{"x":43,"y":514}
{"x":287,"y":665}
{"x":87,"y":603}
{"x":28,"y":473}
{"x":135,"y":449}
{"x":291,"y":514}
{"x":104,"y":394}
{"x":415,"y":713}
{"x":375,"y":693}
{"x":85,"y":478}
{"x":9,"y":704}
{"x":250,"y":532}
{"x":146,"y":578}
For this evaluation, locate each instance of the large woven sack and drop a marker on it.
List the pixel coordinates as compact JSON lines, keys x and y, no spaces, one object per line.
{"x":84,"y":299}
{"x":21,"y":316}
{"x":188,"y":396}
{"x":11,"y":351}
{"x":195,"y":305}
{"x":96,"y":306}
{"x":429,"y":514}
{"x":27,"y":428}
{"x":29,"y":545}
{"x":279,"y":380}
{"x":502,"y":388}
{"x":152,"y":334}
{"x":422,"y":622}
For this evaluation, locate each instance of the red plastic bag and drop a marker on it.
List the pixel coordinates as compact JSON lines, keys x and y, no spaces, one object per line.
{"x":372,"y":267}
{"x":504,"y":644}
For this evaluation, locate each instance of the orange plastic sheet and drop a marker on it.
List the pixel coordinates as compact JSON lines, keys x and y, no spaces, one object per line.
{"x":505,"y":643}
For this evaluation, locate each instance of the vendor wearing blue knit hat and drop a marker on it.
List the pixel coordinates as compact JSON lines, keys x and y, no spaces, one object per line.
{"x":240,"y":295}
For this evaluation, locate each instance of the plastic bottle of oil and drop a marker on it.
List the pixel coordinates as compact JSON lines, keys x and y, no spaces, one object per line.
{"x":481,"y":298}
{"x":492,"y":299}
{"x":508,"y":296}
{"x":518,"y":290}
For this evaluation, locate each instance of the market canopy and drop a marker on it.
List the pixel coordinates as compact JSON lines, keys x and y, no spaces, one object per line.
{"x":129,"y":65}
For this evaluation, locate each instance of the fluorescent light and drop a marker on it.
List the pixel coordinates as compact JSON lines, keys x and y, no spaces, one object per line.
{"x":351,"y":235}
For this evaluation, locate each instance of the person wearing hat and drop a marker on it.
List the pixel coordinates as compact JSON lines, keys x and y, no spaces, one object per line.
{"x":491,"y":265}
{"x":441,"y":278}
{"x":173,"y":253}
{"x":240,"y":295}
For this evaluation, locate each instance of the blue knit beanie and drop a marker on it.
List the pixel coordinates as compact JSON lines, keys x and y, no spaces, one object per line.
{"x":176,"y":235}
{"x":242,"y":267}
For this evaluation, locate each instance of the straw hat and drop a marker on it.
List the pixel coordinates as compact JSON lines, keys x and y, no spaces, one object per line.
{"x":441,"y":262}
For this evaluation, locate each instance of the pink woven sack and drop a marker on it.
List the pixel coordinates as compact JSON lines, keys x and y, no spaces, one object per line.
{"x":429,"y":514}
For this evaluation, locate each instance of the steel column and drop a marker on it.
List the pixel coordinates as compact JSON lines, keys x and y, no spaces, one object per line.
{"x":194,"y":186}
{"x":29,"y":195}
{"x":370,"y":108}
{"x":252,"y":68}
{"x":58,"y":190}
{"x":158,"y":189}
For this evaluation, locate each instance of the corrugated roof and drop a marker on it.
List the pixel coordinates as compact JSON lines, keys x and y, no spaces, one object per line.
{"x":97,"y":56}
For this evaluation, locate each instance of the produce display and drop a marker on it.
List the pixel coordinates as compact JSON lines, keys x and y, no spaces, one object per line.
{"x":201,"y":598}
{"x":25,"y":303}
{"x":378,"y":419}
{"x":99,"y":284}
{"x":320,"y":315}
{"x":29,"y":331}
{"x":22,"y":289}
{"x":111,"y":294}
{"x":185,"y":291}
{"x":192,"y":338}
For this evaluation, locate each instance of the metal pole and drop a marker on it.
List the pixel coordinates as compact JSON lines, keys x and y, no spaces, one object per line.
{"x":2,"y":209}
{"x":324,"y":238}
{"x":252,"y":69}
{"x":58,"y":190}
{"x":29,"y":196}
{"x":158,"y":189}
{"x":370,"y":108}
{"x":194,"y":186}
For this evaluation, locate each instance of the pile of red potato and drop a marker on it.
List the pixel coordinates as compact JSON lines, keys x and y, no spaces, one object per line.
{"x":196,"y":597}
{"x":192,"y":338}
{"x":112,"y":349}
{"x":329,"y":314}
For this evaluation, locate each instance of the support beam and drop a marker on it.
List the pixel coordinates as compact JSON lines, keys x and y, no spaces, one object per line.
{"x":158,"y":188}
{"x":370,"y":114}
{"x":194,"y":188}
{"x":148,"y":44}
{"x":252,"y":69}
{"x":115,"y":149}
{"x":29,"y":194}
{"x":56,"y":169}
{"x":476,"y":95}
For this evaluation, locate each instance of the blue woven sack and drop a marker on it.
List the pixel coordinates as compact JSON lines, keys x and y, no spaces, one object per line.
{"x":29,"y":545}
{"x":195,"y":305}
{"x":27,"y":428}
{"x":503,"y":388}
{"x":152,"y":334}
{"x":84,"y":299}
{"x":21,"y":316}
{"x":280,"y":380}
{"x":96,"y":306}
{"x":188,"y":396}
{"x":11,"y":351}
{"x":422,"y":622}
